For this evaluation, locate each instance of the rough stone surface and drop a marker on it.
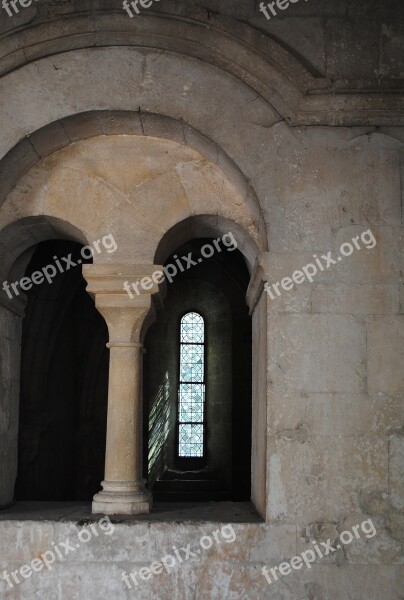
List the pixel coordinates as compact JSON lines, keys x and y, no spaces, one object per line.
{"x":225,"y":570}
{"x":192,"y":119}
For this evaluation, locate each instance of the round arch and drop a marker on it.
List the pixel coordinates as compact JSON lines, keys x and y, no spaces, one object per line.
{"x":58,"y":135}
{"x":199,"y":226}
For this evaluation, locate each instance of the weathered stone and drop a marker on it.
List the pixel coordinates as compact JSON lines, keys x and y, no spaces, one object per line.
{"x":322,"y":476}
{"x":192,"y":119}
{"x":316,"y":353}
{"x":379,"y":264}
{"x":385,"y":374}
{"x":367,"y":299}
{"x":335,"y":414}
{"x":371,"y":543}
{"x":396,"y":470}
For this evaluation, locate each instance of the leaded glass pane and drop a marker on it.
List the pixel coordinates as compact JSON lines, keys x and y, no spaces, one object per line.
{"x":191,"y":403}
{"x":192,"y":363}
{"x":192,"y":388}
{"x":192,"y":329}
{"x":191,"y":440}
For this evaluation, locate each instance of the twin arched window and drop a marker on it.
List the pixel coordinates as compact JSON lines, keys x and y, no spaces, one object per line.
{"x":191,"y":391}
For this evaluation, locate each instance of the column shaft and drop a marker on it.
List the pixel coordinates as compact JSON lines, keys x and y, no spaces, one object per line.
{"x":124,"y":490}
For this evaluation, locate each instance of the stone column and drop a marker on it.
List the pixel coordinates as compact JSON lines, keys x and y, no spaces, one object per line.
{"x":124,"y":490}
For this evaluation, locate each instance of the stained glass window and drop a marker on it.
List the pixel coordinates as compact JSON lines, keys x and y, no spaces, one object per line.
{"x":191,"y":393}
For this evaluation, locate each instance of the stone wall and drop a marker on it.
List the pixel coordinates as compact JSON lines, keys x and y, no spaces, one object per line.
{"x":211,"y":113}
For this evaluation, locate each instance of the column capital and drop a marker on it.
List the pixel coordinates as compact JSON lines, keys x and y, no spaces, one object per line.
{"x":109,"y":280}
{"x":123,"y":312}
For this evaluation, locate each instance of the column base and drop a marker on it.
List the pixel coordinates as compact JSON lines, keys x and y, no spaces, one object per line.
{"x":122,"y":498}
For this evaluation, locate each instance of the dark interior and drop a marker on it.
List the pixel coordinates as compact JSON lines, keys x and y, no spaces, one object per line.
{"x":215,"y":288}
{"x":64,"y":386}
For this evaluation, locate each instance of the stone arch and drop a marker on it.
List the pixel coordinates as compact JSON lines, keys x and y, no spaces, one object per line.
{"x":18,"y":241}
{"x":213,"y":285}
{"x":238,"y":49}
{"x":60,"y":134}
{"x":217,"y":104}
{"x":141,"y":176}
{"x":300,"y":95}
{"x":139,"y":186}
{"x":206,"y":226}
{"x":17,"y":237}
